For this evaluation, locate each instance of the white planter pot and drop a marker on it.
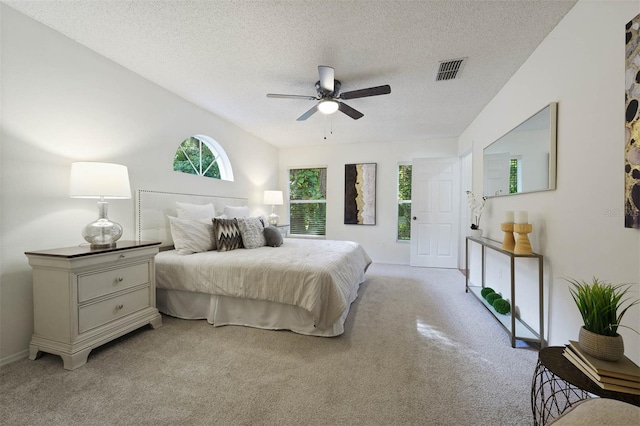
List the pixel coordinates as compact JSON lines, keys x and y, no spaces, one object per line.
{"x":475,"y":233}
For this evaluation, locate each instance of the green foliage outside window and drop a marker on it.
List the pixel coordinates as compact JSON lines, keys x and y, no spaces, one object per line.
{"x":404,"y":202}
{"x":194,"y":157}
{"x":513,"y":176}
{"x":307,"y":201}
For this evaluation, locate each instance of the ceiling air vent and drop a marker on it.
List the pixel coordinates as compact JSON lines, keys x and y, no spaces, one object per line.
{"x":448,"y":70}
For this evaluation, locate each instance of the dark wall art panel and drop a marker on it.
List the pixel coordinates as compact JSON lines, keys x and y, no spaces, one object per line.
{"x":632,"y":126}
{"x":360,"y":194}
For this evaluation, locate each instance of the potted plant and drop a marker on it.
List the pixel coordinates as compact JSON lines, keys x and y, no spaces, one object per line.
{"x":602,"y":306}
{"x":476,"y":206}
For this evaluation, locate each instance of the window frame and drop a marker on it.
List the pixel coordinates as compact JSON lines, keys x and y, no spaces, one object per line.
{"x":320,"y":201}
{"x":399,"y":202}
{"x":517,"y":176}
{"x":219,"y":154}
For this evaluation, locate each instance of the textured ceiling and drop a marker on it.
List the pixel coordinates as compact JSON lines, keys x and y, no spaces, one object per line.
{"x":225,"y":56}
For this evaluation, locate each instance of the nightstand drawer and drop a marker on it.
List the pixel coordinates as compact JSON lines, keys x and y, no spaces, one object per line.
{"x":96,"y":314}
{"x":106,"y":282}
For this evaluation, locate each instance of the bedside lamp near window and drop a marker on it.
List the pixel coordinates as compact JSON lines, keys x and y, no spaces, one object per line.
{"x":101,"y":181}
{"x":275,"y":199}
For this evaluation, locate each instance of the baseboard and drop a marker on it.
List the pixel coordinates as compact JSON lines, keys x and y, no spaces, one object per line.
{"x":15,"y":357}
{"x":393,"y":263}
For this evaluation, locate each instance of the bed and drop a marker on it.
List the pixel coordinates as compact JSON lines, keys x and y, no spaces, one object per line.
{"x":306,"y":286}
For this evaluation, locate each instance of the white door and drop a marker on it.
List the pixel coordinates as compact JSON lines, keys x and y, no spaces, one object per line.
{"x":435,"y":198}
{"x":496,"y":171}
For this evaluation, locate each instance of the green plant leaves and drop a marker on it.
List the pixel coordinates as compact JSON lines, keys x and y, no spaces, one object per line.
{"x":599,"y":302}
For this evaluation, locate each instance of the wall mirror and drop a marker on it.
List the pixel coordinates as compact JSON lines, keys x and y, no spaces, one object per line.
{"x":524,"y":159}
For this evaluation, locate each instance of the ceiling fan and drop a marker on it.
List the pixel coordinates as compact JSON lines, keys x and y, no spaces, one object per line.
{"x":329,"y":96}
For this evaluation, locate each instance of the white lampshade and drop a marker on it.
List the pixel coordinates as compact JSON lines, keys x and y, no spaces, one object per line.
{"x":328,"y":106}
{"x":273,"y":198}
{"x":96,"y":180}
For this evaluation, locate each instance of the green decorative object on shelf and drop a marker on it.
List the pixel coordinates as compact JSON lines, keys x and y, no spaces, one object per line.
{"x":502,"y":306}
{"x":486,"y":291}
{"x":492,"y":298}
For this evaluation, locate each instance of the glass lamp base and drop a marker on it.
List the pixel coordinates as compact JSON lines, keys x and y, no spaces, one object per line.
{"x":102,"y":233}
{"x":273,"y":219}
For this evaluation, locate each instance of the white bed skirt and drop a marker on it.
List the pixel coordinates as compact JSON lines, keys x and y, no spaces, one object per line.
{"x":224,"y":310}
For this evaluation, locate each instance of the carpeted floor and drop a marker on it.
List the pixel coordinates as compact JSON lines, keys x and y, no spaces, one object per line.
{"x":417,"y":350}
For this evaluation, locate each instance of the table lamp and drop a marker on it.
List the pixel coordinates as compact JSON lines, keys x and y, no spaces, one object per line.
{"x":101,"y":181}
{"x":275,"y":199}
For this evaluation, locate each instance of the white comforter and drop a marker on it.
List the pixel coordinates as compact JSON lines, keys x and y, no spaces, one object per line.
{"x":316,"y":275}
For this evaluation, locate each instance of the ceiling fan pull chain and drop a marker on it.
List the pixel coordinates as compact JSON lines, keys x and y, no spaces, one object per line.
{"x":325,"y":127}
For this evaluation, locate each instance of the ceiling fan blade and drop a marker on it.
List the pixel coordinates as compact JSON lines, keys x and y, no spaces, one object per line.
{"x":308,"y":113}
{"x":326,"y":78}
{"x":353,"y":113}
{"x":371,"y":91}
{"x":276,"y":95}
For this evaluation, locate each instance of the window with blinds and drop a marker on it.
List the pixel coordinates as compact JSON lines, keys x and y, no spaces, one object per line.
{"x":308,"y":201}
{"x":404,"y":202}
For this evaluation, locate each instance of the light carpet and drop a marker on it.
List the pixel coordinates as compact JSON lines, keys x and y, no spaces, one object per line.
{"x":417,"y":350}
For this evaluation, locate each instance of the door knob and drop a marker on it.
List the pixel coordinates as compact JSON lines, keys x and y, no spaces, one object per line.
{"x":415,"y":218}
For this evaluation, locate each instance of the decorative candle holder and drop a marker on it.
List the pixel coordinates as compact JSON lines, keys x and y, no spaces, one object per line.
{"x":508,"y":242}
{"x":523,"y":246}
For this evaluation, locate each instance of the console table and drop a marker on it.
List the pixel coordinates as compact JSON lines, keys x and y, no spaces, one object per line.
{"x":558,"y":385}
{"x":517,"y":328}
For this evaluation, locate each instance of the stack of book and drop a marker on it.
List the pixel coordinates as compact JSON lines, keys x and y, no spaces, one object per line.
{"x":619,"y":376}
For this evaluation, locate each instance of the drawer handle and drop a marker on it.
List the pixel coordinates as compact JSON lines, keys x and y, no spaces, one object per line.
{"x":120,"y":306}
{"x":119,"y":279}
{"x":122,"y":256}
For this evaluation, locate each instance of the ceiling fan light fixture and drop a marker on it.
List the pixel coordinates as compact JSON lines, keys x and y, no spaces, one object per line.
{"x":328,"y":106}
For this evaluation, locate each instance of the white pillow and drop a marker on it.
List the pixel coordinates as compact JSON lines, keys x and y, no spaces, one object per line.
{"x":236,"y":211}
{"x":195,"y":211}
{"x":252,"y":232}
{"x":192,"y":235}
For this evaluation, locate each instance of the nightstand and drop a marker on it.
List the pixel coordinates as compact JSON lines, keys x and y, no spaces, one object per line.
{"x":83,"y":297}
{"x":284,"y":230}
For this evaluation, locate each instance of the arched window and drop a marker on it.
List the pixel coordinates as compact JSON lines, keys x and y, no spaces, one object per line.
{"x":200,"y":155}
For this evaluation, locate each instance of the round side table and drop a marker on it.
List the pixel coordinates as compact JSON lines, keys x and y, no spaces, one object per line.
{"x":558,"y":384}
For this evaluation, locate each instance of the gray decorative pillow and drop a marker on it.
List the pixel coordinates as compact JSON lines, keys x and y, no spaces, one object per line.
{"x":252,"y":232}
{"x":273,"y":236}
{"x":227,"y":234}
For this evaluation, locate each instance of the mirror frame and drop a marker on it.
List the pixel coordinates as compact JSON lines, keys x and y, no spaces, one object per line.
{"x":553,"y":148}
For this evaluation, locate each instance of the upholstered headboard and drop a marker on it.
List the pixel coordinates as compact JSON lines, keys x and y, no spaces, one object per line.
{"x":154,"y":207}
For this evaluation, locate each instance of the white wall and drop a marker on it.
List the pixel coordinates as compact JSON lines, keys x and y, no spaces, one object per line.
{"x":62,"y":102}
{"x":378,"y":240}
{"x":579,"y":227}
